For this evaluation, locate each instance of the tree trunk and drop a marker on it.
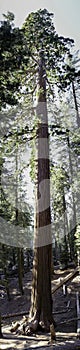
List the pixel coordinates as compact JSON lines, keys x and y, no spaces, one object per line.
{"x":73,"y":223}
{"x":66,"y":251}
{"x":76,"y":105}
{"x":1,"y":335}
{"x":20,"y":275}
{"x":41,"y":299}
{"x":4,"y":261}
{"x":17,"y":219}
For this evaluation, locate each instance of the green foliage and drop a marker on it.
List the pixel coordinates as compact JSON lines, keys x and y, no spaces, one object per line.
{"x":11,"y":176}
{"x":11,"y":53}
{"x":32,"y":163}
{"x":59,"y":181}
{"x":20,"y":50}
{"x":40,"y":31}
{"x":77,"y":237}
{"x":75,"y":144}
{"x":72,"y":70}
{"x":40,"y":34}
{"x":9,"y":17}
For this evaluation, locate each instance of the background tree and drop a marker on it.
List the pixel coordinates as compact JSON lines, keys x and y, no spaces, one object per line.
{"x":11,"y":52}
{"x":59,"y":186}
{"x":71,"y":81}
{"x":14,"y":209}
{"x":73,"y":76}
{"x":64,"y":153}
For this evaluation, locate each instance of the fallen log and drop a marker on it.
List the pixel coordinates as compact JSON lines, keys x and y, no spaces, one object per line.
{"x":17,"y":314}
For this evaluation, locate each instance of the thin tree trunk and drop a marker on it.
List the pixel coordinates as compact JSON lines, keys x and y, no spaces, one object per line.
{"x":65,"y":229}
{"x":4,"y":248}
{"x":18,"y":249}
{"x":73,"y":223}
{"x":41,"y":299}
{"x":76,"y":105}
{"x":1,"y":335}
{"x":20,"y":274}
{"x":4,"y":261}
{"x":13,"y":256}
{"x":78,"y":125}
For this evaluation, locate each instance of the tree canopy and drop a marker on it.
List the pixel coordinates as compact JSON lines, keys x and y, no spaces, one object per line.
{"x":20,"y":54}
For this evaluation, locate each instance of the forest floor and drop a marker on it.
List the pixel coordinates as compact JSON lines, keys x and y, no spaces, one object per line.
{"x":64,"y":311}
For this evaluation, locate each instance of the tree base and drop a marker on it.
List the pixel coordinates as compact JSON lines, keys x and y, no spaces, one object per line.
{"x":39,"y":327}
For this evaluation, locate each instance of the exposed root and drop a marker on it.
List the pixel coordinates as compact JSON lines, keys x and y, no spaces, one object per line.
{"x":31,"y":326}
{"x":34,"y":325}
{"x":15,"y":327}
{"x":52,"y":333}
{"x":19,"y":326}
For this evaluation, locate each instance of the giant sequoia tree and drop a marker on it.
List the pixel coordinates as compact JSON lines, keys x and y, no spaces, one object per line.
{"x":47,"y":52}
{"x":39,"y":56}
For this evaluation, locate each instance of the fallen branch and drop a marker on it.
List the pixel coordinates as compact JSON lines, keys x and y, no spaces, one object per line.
{"x":23,"y":313}
{"x":70,"y":320}
{"x":63,"y":311}
{"x":65,"y":279}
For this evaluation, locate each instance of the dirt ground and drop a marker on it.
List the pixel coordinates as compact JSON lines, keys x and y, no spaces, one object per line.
{"x":64,"y":311}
